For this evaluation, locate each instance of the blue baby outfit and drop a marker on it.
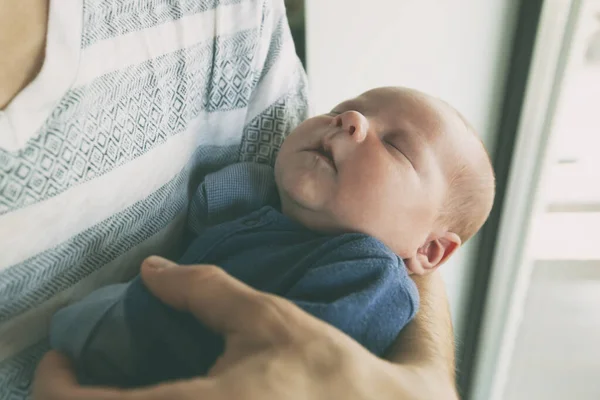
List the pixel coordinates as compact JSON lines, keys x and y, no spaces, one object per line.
{"x":122,"y":335}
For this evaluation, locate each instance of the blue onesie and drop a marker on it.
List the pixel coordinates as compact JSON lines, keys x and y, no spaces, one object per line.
{"x":122,"y":335}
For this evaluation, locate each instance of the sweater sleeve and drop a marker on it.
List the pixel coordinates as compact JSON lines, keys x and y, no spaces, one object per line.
{"x":362,"y":288}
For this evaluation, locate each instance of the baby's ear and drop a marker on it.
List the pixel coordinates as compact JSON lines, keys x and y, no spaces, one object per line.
{"x":433,"y":253}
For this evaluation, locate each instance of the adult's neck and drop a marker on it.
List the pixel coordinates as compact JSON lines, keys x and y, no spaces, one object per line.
{"x":23,"y":27}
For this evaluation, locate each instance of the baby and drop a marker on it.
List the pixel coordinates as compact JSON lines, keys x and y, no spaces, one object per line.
{"x":386,"y":185}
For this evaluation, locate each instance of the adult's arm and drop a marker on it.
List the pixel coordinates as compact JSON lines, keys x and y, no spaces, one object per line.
{"x":427,"y":343}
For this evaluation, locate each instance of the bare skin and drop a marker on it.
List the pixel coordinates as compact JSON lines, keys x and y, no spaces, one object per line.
{"x":23,"y":26}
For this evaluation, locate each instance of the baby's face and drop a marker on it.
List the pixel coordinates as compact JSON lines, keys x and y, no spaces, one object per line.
{"x":376,"y":164}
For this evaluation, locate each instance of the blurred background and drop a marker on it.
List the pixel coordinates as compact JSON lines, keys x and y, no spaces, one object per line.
{"x":525,"y":293}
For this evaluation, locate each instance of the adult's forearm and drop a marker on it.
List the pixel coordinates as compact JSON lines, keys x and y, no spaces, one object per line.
{"x":428,"y":341}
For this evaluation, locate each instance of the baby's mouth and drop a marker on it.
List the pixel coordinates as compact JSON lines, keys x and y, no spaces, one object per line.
{"x":327,"y":155}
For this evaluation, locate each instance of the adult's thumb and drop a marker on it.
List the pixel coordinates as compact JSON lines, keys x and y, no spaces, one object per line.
{"x":221,"y":302}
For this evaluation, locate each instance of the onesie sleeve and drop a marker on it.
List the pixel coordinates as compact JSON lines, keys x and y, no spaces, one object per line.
{"x":122,"y":335}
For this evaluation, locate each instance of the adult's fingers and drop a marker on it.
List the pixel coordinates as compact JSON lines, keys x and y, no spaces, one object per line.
{"x":220,"y":301}
{"x":55,"y":380}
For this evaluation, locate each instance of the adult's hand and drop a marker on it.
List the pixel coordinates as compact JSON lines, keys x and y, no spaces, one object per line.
{"x":273,"y":350}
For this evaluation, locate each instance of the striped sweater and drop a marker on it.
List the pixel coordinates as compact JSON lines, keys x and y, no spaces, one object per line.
{"x":136,"y":102}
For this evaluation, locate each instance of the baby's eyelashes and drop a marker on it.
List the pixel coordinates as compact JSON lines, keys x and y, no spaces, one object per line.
{"x":397,"y":152}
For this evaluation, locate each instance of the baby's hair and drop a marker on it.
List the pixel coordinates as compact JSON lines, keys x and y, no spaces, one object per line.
{"x":471,"y":192}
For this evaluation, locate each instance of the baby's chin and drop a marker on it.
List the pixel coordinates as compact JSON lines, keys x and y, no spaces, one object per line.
{"x":313,"y":218}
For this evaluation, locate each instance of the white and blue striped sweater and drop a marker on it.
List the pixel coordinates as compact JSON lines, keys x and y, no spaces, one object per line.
{"x":136,"y":101}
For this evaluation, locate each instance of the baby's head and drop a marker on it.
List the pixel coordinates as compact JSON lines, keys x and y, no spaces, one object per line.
{"x":393,"y":163}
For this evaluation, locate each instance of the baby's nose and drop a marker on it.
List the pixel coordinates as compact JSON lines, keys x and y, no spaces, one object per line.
{"x":354,"y":123}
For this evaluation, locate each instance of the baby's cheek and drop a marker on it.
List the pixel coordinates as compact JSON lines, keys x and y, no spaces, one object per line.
{"x":354,"y":209}
{"x":303,"y":187}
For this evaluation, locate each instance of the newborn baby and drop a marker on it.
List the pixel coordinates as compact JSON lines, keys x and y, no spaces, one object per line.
{"x":386,"y":185}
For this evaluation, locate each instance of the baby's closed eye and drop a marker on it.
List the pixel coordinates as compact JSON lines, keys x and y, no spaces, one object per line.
{"x":396,"y":150}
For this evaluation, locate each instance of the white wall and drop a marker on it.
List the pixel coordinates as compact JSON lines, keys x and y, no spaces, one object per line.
{"x":456,"y":50}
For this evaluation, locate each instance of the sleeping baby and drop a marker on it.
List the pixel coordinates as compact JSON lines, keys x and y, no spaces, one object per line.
{"x":386,"y":185}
